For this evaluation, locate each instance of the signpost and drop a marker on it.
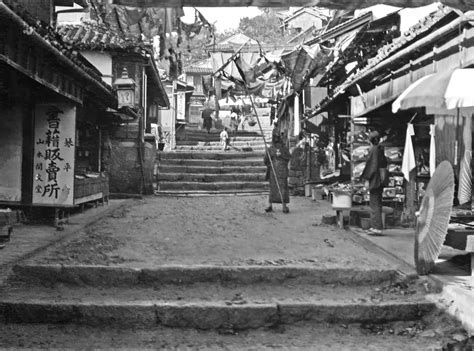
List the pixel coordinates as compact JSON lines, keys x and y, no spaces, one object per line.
{"x":54,"y":143}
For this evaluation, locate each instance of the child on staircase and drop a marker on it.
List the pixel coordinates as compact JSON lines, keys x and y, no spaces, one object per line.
{"x":224,"y":136}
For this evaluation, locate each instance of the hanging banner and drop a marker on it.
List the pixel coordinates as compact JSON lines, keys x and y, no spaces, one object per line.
{"x":181,"y":105}
{"x":53,"y":177}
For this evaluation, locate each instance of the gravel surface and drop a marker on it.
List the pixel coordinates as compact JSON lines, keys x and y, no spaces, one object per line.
{"x":226,"y":230}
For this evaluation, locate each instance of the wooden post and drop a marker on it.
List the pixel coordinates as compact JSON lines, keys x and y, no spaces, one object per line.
{"x":218,"y":87}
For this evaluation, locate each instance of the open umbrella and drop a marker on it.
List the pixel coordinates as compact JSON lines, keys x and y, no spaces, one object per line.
{"x":433,"y":217}
{"x":446,"y":90}
{"x":450,"y":90}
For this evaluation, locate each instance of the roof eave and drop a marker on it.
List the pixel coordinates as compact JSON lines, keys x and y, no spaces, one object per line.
{"x":153,"y":72}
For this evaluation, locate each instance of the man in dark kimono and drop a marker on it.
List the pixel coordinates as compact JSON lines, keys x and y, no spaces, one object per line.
{"x":279,"y":156}
{"x":371,"y":173}
{"x":206,"y":115}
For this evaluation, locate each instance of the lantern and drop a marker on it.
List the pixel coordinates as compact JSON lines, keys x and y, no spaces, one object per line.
{"x":125,"y":87}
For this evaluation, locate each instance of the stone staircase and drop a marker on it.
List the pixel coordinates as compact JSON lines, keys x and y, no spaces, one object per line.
{"x":243,"y":141}
{"x":199,"y":166}
{"x":204,"y":173}
{"x":206,"y":297}
{"x":391,"y":311}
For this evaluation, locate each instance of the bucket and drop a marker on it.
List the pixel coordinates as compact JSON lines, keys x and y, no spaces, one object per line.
{"x":341,"y":199}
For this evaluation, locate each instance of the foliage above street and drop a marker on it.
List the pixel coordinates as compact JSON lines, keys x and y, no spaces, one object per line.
{"x":264,"y":28}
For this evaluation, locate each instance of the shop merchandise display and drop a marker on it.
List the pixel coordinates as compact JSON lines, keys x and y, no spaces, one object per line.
{"x":394,"y":190}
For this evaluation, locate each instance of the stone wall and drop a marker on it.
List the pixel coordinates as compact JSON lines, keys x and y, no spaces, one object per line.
{"x":298,"y":171}
{"x":296,"y":174}
{"x":128,"y":175}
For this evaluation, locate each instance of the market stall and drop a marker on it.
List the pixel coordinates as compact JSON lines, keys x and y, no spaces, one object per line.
{"x":406,"y":183}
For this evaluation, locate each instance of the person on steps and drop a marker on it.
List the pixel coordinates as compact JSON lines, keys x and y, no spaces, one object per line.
{"x":224,"y":139}
{"x":207,"y":119}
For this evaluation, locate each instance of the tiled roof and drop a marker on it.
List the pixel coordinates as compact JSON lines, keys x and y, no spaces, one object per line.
{"x":203,"y":67}
{"x":362,"y":46}
{"x":238,"y":38}
{"x":341,"y":28}
{"x":58,"y":47}
{"x":197,"y":69}
{"x":94,"y":36}
{"x":310,"y":10}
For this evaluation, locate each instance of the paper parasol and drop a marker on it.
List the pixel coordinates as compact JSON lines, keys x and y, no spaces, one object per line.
{"x":433,"y":218}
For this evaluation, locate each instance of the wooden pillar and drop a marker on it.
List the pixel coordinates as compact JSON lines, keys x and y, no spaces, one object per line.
{"x":218,"y":87}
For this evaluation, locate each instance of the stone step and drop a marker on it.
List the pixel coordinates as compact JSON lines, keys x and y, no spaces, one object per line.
{"x":171,"y":168}
{"x":238,"y":163}
{"x":210,"y":178}
{"x":217,"y":147}
{"x":216,"y":133}
{"x":203,"y":193}
{"x":211,"y":305}
{"x":235,"y":142}
{"x":266,"y":272}
{"x":209,"y":155}
{"x":204,"y":315}
{"x":216,"y":186}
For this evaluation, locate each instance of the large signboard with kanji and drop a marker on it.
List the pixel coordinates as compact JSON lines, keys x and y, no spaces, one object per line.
{"x":53,"y":177}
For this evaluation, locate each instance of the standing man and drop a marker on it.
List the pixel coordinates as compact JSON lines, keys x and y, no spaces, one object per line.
{"x":206,"y":115}
{"x":278,"y":155}
{"x":373,"y":182}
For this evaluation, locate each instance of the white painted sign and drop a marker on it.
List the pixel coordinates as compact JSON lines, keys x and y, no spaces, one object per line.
{"x":53,"y":177}
{"x":181,"y":105}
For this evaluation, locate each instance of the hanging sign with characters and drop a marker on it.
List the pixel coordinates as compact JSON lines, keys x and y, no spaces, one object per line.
{"x":53,"y":168}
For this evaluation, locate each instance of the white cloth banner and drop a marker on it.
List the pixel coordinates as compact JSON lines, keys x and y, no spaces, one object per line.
{"x":408,"y":154}
{"x":432,"y":149}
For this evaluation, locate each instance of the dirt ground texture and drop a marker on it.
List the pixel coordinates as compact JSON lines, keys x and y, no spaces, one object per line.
{"x":433,"y":333}
{"x":226,"y":230}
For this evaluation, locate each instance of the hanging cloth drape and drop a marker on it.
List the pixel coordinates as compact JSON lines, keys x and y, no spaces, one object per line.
{"x":408,"y":154}
{"x":465,"y":175}
{"x":432,"y":149}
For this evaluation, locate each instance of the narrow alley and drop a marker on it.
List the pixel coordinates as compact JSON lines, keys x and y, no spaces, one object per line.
{"x":236,"y":175}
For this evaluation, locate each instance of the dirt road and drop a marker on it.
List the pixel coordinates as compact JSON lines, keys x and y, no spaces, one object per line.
{"x":227,"y":230}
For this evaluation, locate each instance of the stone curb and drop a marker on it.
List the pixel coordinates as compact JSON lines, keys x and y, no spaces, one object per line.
{"x":208,"y":315}
{"x":67,"y":234}
{"x":119,"y":276}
